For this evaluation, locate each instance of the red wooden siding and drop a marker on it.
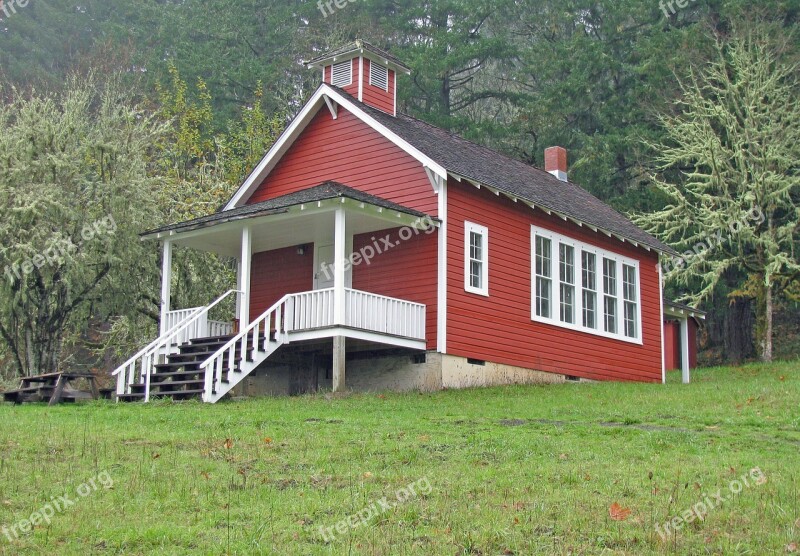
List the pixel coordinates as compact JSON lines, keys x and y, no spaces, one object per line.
{"x":375,"y":96}
{"x":349,"y":151}
{"x":499,"y":328}
{"x":672,"y":345}
{"x":277,"y":273}
{"x":408,"y":271}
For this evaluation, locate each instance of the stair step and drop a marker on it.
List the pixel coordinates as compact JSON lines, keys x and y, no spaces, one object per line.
{"x":174,"y":383}
{"x":211,"y":339}
{"x":130,"y":397}
{"x":160,"y":377}
{"x":177,"y":393}
{"x":190,"y":366}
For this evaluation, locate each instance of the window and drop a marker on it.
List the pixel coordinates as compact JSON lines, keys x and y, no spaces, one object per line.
{"x":476,"y":271}
{"x":378,"y":76}
{"x":610,"y":295}
{"x":543,"y":277}
{"x":589,"y":269}
{"x":570,"y":291}
{"x":342,"y":74}
{"x":566,"y":263}
{"x":631,"y":313}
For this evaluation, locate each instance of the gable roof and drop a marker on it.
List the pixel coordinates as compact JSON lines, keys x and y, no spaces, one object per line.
{"x":485,"y":166}
{"x":358,"y":47}
{"x":322,"y":192}
{"x":443,"y":153}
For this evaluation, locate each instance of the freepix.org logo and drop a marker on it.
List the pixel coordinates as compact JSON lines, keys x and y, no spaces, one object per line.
{"x":9,"y":7}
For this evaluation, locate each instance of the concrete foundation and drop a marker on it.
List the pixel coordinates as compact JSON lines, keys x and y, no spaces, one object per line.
{"x":289,"y":373}
{"x":458,"y":372}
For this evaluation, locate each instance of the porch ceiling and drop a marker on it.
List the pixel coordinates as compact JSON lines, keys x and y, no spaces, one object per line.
{"x":296,"y":225}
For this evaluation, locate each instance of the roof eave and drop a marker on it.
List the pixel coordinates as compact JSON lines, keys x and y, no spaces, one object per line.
{"x":660,"y":249}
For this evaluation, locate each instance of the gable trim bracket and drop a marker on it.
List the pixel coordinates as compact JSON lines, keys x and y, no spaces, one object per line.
{"x":332,"y":106}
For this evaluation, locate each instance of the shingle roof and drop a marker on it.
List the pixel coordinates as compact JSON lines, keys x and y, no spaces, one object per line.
{"x":322,"y":192}
{"x":357,"y":46}
{"x":506,"y":174}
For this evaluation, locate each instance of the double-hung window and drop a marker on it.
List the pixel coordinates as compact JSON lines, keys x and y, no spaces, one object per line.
{"x":476,"y":259}
{"x":582,"y":287}
{"x":631,"y":304}
{"x":544,"y":276}
{"x":610,"y":298}
{"x":566,"y":278}
{"x":589,"y":285}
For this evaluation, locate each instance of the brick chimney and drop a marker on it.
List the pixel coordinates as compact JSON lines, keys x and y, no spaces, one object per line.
{"x":555,"y":162}
{"x":364,"y":71}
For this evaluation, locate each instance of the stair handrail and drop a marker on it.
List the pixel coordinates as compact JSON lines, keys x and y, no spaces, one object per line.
{"x":242,"y":337}
{"x":166,"y":339}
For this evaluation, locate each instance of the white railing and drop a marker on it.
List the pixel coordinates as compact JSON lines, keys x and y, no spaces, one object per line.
{"x":139,"y":367}
{"x":174,"y":318}
{"x":257,"y":337}
{"x":310,"y":310}
{"x":385,"y":315}
{"x":218,"y":328}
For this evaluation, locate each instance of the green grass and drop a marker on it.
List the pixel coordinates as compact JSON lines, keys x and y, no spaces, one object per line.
{"x":518,"y":470}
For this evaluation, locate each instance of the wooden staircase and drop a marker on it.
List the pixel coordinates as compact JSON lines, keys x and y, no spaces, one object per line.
{"x":180,"y":377}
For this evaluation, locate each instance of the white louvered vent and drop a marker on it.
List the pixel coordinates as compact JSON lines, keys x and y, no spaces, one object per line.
{"x":379,"y":76}
{"x":342,"y":74}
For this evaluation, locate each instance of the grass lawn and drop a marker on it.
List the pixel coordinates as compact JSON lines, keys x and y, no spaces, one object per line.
{"x":517,"y":470}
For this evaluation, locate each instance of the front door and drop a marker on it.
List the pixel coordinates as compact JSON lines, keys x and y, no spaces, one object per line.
{"x":323,"y":267}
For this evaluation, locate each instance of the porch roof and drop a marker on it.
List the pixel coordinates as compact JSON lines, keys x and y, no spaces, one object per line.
{"x":323,"y":192}
{"x":675,"y":309}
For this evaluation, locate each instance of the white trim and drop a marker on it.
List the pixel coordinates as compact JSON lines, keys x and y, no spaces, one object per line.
{"x":340,"y":261}
{"x":686,"y":375}
{"x":661,"y":308}
{"x":333,"y":74}
{"x":247,"y":258}
{"x":555,"y":291}
{"x":483,"y":231}
{"x":332,"y":106}
{"x":394,"y":94}
{"x":166,"y":285}
{"x":296,"y":127}
{"x":361,"y":78}
{"x":441,"y":315}
{"x":376,"y":337}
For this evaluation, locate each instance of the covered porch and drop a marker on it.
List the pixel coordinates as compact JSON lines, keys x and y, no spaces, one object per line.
{"x":300,"y":288}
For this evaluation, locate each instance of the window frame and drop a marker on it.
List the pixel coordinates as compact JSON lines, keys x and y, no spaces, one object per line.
{"x":372,"y":66}
{"x":483,"y":231}
{"x":333,"y":74}
{"x":579,"y":247}
{"x":544,"y":277}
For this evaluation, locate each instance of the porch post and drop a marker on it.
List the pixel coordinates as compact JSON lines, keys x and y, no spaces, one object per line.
{"x":685,"y":350}
{"x":244,"y":278}
{"x":166,"y":285}
{"x":339,"y":343}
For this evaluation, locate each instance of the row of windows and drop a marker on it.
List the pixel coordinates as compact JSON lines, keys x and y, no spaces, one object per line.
{"x":342,"y":75}
{"x":575,"y":285}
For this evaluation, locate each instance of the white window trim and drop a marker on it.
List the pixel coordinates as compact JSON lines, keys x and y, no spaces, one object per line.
{"x":372,"y":66}
{"x":555,"y":301}
{"x":350,"y":82}
{"x":469,"y":228}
